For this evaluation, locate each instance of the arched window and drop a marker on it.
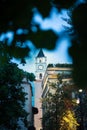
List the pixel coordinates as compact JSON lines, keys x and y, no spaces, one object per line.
{"x":40,"y":60}
{"x":40,"y":76}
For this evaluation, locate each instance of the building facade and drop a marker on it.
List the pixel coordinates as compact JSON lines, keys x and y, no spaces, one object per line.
{"x":51,"y":75}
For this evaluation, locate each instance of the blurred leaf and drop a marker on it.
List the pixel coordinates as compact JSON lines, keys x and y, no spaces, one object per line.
{"x":78,"y":54}
{"x":43,"y":4}
{"x":79,"y":20}
{"x":60,"y":4}
{"x":44,"y":39}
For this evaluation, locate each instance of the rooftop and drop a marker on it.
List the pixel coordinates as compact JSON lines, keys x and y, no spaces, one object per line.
{"x":40,"y":54}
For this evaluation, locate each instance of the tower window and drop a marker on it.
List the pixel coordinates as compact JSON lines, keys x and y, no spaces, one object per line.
{"x":40,"y":61}
{"x":40,"y":76}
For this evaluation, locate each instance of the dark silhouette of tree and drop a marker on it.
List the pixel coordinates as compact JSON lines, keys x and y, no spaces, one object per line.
{"x":18,"y":14}
{"x":78,"y":51}
{"x":12,"y":96}
{"x":29,"y":76}
{"x":50,"y":65}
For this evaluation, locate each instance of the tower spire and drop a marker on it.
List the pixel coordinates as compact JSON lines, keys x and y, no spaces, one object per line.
{"x":40,"y":54}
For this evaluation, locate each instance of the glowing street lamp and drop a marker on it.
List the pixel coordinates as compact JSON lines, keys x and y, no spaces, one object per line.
{"x":79,"y":101}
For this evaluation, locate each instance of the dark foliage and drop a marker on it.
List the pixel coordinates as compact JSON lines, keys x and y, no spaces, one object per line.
{"x":18,"y":14}
{"x":12,"y":97}
{"x":62,"y":4}
{"x":78,"y":51}
{"x":50,"y":65}
{"x":64,"y":65}
{"x":29,"y":76}
{"x":57,"y":103}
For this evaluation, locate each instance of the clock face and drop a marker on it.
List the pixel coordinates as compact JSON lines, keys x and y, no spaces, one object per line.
{"x":40,"y":67}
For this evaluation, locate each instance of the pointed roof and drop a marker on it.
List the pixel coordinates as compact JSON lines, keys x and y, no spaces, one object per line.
{"x":40,"y":54}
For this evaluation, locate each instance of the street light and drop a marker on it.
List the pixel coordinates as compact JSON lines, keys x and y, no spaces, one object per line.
{"x":81,"y":109}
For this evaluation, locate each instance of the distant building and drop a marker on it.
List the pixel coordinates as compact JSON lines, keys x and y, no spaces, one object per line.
{"x":51,"y":75}
{"x":41,"y":64}
{"x":27,"y":88}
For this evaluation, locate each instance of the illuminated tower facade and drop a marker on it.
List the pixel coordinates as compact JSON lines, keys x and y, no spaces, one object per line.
{"x":41,"y":64}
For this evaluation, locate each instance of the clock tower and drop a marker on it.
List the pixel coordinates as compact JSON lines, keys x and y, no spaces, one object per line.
{"x":41,"y":64}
